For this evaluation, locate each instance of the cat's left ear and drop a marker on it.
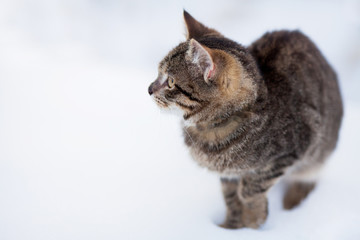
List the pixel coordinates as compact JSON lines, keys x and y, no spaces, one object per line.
{"x":201,"y":56}
{"x":196,"y":29}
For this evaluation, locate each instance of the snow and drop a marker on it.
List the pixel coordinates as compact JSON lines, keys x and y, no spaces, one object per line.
{"x":86,"y":154}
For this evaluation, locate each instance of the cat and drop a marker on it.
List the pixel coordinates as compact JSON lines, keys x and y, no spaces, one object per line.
{"x":253,"y":114}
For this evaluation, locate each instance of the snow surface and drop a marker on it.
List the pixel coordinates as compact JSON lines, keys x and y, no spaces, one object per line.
{"x":86,"y":154}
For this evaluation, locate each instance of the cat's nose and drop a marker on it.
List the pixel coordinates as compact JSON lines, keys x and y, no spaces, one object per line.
{"x":150,"y":89}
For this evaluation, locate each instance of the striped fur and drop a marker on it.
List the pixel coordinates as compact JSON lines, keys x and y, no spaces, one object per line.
{"x":254,"y":115}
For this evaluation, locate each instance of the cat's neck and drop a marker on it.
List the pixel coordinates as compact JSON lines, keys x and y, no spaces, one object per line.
{"x":221,"y":124}
{"x":219,"y":132}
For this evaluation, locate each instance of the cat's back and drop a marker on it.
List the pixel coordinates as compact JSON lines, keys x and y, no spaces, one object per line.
{"x":300,"y":82}
{"x":292,"y":66}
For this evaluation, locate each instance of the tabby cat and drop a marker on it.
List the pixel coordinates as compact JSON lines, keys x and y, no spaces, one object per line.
{"x":253,"y":114}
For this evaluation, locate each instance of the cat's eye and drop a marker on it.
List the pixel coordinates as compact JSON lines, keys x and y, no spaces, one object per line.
{"x":171,"y":82}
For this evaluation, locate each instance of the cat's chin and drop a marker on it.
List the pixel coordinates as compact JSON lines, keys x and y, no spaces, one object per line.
{"x":173,"y":110}
{"x":188,"y":123}
{"x":178,"y":112}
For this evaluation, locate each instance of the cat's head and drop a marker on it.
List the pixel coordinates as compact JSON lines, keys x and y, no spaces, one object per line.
{"x":199,"y":80}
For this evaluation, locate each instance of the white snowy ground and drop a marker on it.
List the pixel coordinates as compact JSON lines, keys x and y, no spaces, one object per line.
{"x":86,"y":154}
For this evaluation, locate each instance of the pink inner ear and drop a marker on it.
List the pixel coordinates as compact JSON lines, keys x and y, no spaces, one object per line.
{"x":211,"y":72}
{"x":200,"y":56}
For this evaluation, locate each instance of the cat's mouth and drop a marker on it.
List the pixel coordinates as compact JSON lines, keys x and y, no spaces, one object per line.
{"x":161,"y":102}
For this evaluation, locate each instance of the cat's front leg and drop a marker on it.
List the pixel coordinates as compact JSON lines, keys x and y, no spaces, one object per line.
{"x":252,"y":195}
{"x":246,"y":199}
{"x":233,"y":205}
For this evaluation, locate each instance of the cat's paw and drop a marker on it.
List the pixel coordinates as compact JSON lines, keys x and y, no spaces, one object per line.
{"x":231,"y":225}
{"x":295,"y":193}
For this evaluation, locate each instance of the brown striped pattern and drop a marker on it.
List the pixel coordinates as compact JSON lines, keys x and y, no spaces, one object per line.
{"x":269,"y":111}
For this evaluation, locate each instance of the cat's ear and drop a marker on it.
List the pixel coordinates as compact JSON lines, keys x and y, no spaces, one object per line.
{"x":200,"y":56}
{"x":196,"y":29}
